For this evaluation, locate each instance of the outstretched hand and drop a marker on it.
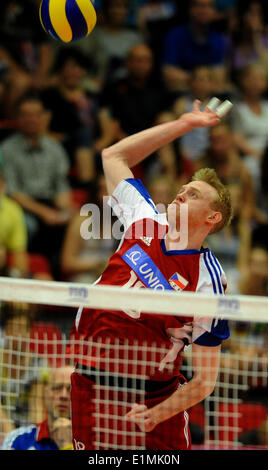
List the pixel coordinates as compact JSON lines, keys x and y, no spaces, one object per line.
{"x":198,"y":118}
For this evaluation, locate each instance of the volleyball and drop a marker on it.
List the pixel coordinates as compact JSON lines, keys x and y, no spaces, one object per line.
{"x":68,"y":20}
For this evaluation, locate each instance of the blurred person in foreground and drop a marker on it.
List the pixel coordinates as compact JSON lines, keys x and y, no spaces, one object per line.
{"x":53,"y":433}
{"x":153,"y":254}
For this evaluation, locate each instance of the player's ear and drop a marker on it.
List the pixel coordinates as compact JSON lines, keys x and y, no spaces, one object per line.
{"x":215,"y":217}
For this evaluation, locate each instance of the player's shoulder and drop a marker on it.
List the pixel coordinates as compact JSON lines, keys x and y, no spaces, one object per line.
{"x":131,"y":202}
{"x":211,"y":273}
{"x":136,"y":187}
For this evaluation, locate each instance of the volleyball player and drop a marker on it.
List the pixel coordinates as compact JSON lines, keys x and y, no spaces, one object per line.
{"x":150,"y":255}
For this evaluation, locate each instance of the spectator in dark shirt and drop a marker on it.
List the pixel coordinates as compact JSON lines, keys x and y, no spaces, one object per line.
{"x":73,"y":113}
{"x":35,"y":169}
{"x":136,"y":100}
{"x":192,"y":44}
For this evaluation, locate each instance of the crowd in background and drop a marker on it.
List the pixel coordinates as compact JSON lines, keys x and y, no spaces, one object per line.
{"x":143,"y":64}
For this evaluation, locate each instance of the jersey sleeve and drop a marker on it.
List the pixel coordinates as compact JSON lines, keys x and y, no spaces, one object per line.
{"x":208,"y":331}
{"x":131,"y":202}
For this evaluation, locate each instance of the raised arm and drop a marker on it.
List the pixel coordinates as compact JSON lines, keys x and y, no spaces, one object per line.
{"x":122,"y":156}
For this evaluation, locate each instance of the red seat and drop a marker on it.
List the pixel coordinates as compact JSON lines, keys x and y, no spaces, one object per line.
{"x":244,"y":416}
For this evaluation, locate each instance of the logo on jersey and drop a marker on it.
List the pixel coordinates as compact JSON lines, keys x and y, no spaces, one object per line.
{"x":145,"y":268}
{"x":147,"y":240}
{"x":178,"y":282}
{"x":78,"y":445}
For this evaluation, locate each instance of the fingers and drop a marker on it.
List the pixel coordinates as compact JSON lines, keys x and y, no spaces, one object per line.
{"x":136,"y":410}
{"x":220,"y":109}
{"x":224,"y":108}
{"x":196,"y":105}
{"x":213,"y":103}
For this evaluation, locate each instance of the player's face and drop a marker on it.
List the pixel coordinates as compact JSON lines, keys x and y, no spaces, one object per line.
{"x":198,"y":196}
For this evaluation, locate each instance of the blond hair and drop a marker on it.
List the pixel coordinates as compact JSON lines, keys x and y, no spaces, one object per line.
{"x":222,"y":203}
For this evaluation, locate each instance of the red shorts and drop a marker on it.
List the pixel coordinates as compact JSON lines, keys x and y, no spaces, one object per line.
{"x":98,"y":418}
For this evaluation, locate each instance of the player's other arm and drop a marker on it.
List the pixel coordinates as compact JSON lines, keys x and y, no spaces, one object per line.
{"x":122,"y":156}
{"x":206,"y":361}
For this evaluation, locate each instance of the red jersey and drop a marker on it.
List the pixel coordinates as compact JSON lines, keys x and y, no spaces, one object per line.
{"x":143,"y":261}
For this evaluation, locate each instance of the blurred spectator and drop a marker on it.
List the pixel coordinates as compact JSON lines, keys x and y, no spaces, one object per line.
{"x":54,"y":433}
{"x":135,"y":101}
{"x":194,"y":144}
{"x":21,"y":385}
{"x":13,"y":236}
{"x":256,"y":437}
{"x":76,"y":121}
{"x":263,"y":196}
{"x":89,"y":241}
{"x":233,"y":244}
{"x":192,"y":44}
{"x":249,"y":40}
{"x":154,"y":19}
{"x":169,"y":159}
{"x":249,"y":120}
{"x":109,"y":42}
{"x":255,"y":279}
{"x":24,"y":47}
{"x":35,"y":169}
{"x":7,"y":124}
{"x":162,"y":190}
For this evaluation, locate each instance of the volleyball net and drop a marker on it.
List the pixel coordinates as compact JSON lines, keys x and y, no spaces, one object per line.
{"x":36,"y":319}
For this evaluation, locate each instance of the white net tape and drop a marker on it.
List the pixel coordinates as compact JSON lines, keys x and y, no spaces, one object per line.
{"x":227,"y":419}
{"x":238,"y":307}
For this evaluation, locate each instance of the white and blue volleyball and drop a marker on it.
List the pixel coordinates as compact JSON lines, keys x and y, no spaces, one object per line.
{"x":68,"y":20}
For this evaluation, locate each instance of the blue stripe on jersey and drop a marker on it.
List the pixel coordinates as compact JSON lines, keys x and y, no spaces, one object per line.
{"x":138,"y":184}
{"x":219,"y":328}
{"x":211,"y":275}
{"x":214,"y":274}
{"x":216,"y":262}
{"x":217,"y":273}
